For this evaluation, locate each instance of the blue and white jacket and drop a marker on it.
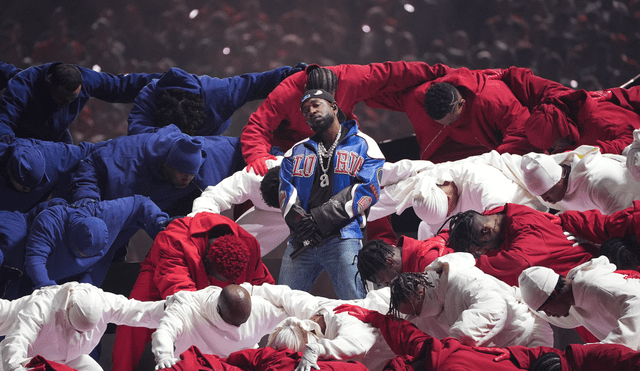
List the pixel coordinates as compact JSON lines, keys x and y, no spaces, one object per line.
{"x":356,"y":181}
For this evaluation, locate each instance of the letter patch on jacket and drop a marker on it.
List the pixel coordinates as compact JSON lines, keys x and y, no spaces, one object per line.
{"x":304,"y":166}
{"x":374,"y":191}
{"x":348,"y":163}
{"x":363,"y":203}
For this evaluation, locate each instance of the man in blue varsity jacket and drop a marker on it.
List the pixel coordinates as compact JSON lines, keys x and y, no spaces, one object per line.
{"x":327,"y":184}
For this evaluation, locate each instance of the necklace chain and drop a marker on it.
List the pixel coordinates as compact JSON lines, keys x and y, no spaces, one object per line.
{"x":322,"y":152}
{"x":328,"y":152}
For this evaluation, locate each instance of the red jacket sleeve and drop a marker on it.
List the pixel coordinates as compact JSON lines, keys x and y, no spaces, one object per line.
{"x":172,"y":274}
{"x":530,"y":89}
{"x":417,"y":255}
{"x":402,"y":336}
{"x":279,"y":115}
{"x":256,"y":273}
{"x":267,"y":359}
{"x":193,"y":359}
{"x":176,"y":261}
{"x":627,"y":98}
{"x":282,"y":104}
{"x":261,"y":274}
{"x":531,"y":238}
{"x":593,"y":226}
{"x":508,"y":115}
{"x":608,"y":126}
{"x":39,"y":363}
{"x":506,"y":265}
{"x":526,"y":356}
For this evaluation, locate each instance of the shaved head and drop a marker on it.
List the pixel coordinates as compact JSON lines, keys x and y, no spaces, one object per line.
{"x":234,"y":305}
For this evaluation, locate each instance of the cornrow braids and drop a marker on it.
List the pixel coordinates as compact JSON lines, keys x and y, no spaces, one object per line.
{"x":322,"y":78}
{"x":461,"y":233}
{"x":547,"y":362}
{"x":181,"y":108}
{"x":372,"y":258}
{"x":404,"y":287}
{"x":621,"y":251}
{"x":438,"y":100}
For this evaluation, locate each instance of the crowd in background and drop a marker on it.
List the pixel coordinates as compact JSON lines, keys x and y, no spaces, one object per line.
{"x":580,"y":43}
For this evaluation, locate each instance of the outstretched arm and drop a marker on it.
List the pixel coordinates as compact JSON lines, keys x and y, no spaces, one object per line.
{"x":595,"y":227}
{"x":403,"y":337}
{"x":44,"y":236}
{"x":24,"y":331}
{"x":86,"y":180}
{"x":171,"y":325}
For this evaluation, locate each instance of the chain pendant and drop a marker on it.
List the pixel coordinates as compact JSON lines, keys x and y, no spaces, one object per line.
{"x":324,"y":180}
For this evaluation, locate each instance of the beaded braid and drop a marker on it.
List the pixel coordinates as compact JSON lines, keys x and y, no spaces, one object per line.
{"x":461,"y":233}
{"x":372,"y":258}
{"x":405,"y":286}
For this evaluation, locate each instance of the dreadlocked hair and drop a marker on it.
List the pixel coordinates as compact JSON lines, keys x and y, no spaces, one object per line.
{"x":322,"y":78}
{"x":269,"y":186}
{"x":403,"y":287}
{"x":438,"y":99}
{"x":229,"y":256}
{"x":461,"y":233}
{"x":621,"y":251}
{"x":372,"y":258}
{"x":181,"y":108}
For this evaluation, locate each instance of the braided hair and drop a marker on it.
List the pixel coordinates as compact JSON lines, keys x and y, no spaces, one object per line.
{"x":372,"y":258}
{"x":547,"y":362}
{"x":461,"y":232}
{"x":405,"y":286}
{"x":181,"y":108}
{"x":623,"y":252}
{"x":438,"y":99}
{"x":322,"y":78}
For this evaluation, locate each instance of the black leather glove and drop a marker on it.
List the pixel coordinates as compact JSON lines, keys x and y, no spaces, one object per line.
{"x":307,"y":231}
{"x":165,"y":222}
{"x":301,"y":244}
{"x":306,"y":227}
{"x":295,"y":69}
